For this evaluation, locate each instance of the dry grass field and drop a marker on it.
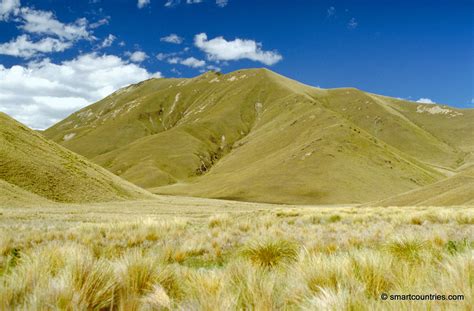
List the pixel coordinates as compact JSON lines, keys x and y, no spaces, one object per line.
{"x":198,"y":254}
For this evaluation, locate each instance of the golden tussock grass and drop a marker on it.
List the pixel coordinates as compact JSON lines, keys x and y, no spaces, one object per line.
{"x":233,"y":256}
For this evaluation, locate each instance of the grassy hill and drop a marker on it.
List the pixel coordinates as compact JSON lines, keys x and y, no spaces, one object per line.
{"x":34,"y":169}
{"x":11,"y":195}
{"x":254,"y":135}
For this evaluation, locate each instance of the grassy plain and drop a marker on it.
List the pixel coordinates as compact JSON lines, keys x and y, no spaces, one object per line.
{"x":199,"y":254}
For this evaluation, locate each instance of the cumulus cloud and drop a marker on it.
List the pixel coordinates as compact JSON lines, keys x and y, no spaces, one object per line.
{"x":22,"y":46}
{"x":172,"y":38}
{"x":425,"y":101}
{"x":40,"y":94}
{"x":44,"y":22}
{"x":56,"y":36}
{"x":137,"y":56}
{"x":222,"y":3}
{"x":193,"y":62}
{"x":108,"y":41}
{"x":221,"y":49}
{"x":8,"y":8}
{"x":142,"y":3}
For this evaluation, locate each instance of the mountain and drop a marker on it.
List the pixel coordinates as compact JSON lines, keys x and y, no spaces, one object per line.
{"x":254,"y":135}
{"x":34,"y":169}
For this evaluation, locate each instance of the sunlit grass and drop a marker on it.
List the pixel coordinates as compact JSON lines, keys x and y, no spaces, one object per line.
{"x":254,"y":258}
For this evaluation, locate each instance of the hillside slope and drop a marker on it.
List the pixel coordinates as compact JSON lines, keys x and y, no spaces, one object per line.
{"x":11,"y":195}
{"x":32,"y":167}
{"x":257,"y":136}
{"x":455,"y":190}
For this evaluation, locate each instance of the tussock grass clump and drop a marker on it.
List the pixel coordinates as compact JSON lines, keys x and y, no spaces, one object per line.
{"x":137,"y":273}
{"x":334,"y":218}
{"x":218,"y":221}
{"x":270,"y":253}
{"x":206,"y":291}
{"x":255,"y":288}
{"x":140,"y":275}
{"x":407,"y":249}
{"x":319,"y":272}
{"x":454,"y":247}
{"x":416,"y":220}
{"x":96,"y":284}
{"x":375,"y":271}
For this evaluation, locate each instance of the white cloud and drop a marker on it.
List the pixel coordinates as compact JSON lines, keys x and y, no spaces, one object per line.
{"x":189,"y":62}
{"x":55,"y":35}
{"x":44,"y":22}
{"x":100,"y":22}
{"x":22,"y":46}
{"x":137,"y":56}
{"x":173,"y":60}
{"x":142,"y":3}
{"x":40,"y":94}
{"x":221,"y":49}
{"x":212,"y":67}
{"x":108,"y":41}
{"x":165,"y":56}
{"x":425,"y":101}
{"x":8,"y":8}
{"x":162,"y":56}
{"x":352,"y":23}
{"x":193,"y":1}
{"x":193,"y":62}
{"x":222,"y":3}
{"x":172,"y":38}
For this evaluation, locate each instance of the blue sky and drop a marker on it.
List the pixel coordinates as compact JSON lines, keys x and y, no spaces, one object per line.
{"x":58,"y":56}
